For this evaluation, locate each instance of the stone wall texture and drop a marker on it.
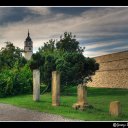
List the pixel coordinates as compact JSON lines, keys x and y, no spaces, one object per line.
{"x":113,"y":71}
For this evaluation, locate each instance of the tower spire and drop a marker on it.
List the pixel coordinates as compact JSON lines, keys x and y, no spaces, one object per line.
{"x":28,"y":33}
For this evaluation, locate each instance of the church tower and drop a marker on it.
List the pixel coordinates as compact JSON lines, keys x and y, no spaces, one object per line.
{"x":28,"y":47}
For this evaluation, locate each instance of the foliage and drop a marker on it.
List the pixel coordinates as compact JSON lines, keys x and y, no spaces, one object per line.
{"x":15,"y":74}
{"x":9,"y":55}
{"x":48,"y":46}
{"x":65,"y":56}
{"x":69,"y":43}
{"x":15,"y":81}
{"x":36,"y":61}
{"x":74,"y":68}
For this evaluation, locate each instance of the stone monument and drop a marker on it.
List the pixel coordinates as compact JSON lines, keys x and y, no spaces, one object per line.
{"x":81,"y":97}
{"x":55,"y":88}
{"x":36,"y":85}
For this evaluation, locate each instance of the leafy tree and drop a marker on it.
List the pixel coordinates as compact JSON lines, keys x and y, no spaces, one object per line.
{"x":15,"y":74}
{"x":15,"y":81}
{"x":67,"y":57}
{"x":69,"y":43}
{"x":36,"y":61}
{"x":48,"y":46}
{"x":74,"y":68}
{"x":9,"y":55}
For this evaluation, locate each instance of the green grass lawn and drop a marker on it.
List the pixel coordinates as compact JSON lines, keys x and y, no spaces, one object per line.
{"x":100,"y":98}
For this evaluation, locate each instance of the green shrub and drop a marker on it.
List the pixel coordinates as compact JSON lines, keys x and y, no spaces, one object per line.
{"x":15,"y":81}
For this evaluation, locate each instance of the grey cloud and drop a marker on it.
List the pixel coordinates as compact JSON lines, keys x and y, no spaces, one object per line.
{"x":90,"y":25}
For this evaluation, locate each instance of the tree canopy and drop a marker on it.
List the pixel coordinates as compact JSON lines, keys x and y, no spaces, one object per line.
{"x":15,"y":74}
{"x":65,"y":56}
{"x":69,"y":43}
{"x":10,"y":55}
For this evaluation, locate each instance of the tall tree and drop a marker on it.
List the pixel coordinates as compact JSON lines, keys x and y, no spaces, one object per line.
{"x":9,"y":55}
{"x":15,"y":74}
{"x":69,"y":43}
{"x":65,"y":56}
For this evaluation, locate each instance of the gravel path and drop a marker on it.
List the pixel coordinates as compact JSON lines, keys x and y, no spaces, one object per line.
{"x":13,"y":113}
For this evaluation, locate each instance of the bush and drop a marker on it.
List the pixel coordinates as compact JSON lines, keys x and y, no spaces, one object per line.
{"x":15,"y":81}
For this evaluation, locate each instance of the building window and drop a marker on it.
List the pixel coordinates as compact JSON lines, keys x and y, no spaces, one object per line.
{"x":29,"y":48}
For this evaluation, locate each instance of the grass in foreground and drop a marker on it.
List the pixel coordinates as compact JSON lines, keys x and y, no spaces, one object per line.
{"x":100,"y":98}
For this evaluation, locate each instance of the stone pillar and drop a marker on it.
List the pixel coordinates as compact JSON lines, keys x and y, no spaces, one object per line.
{"x":55,"y":88}
{"x":81,"y":98}
{"x":115,"y":108}
{"x":82,"y":94}
{"x":36,"y":85}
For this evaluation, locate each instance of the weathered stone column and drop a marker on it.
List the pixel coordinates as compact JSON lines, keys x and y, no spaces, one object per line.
{"x":81,"y":98}
{"x":82,"y":94}
{"x":36,"y":85}
{"x":115,"y":108}
{"x":55,"y":88}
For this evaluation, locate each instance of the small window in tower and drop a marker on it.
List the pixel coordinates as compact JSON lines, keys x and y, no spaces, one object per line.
{"x":29,"y":43}
{"x":29,"y":48}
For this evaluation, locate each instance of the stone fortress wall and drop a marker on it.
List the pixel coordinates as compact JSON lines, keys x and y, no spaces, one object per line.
{"x":113,"y":71}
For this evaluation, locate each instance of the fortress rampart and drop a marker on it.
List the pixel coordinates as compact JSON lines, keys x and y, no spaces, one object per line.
{"x":113,"y":71}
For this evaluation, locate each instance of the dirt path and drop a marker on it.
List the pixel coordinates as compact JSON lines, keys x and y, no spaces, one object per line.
{"x":13,"y":113}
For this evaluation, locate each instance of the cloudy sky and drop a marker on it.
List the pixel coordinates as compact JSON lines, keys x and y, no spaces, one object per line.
{"x":102,"y":30}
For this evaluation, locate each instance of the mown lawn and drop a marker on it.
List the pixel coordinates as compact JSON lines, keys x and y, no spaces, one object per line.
{"x":99,"y":98}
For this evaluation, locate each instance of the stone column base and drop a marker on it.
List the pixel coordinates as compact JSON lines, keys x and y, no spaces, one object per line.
{"x":55,"y":104}
{"x":79,"y":106}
